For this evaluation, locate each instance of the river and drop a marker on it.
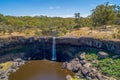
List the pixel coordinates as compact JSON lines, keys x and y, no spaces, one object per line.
{"x":40,"y":70}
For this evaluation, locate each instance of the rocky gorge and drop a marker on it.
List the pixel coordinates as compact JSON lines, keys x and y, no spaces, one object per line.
{"x":84,"y":69}
{"x":19,"y":48}
{"x":43,"y":45}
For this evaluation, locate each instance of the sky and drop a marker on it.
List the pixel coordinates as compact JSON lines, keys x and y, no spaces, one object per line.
{"x":53,"y":8}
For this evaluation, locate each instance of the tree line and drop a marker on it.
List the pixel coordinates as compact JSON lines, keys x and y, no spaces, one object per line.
{"x":102,"y":15}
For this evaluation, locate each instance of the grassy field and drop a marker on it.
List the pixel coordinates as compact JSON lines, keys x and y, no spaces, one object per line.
{"x":84,"y":31}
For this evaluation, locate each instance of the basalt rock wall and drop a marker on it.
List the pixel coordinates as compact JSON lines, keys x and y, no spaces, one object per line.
{"x":40,"y":47}
{"x":108,"y":45}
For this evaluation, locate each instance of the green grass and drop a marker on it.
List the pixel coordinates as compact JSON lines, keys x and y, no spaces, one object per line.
{"x":91,"y":56}
{"x":108,"y":66}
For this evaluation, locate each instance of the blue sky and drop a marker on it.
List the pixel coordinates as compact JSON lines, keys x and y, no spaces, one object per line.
{"x":62,"y":8}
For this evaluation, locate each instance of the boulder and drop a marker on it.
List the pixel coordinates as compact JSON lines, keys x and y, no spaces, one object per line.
{"x":79,"y":66}
{"x":69,"y":67}
{"x":92,"y":75}
{"x":94,"y":70}
{"x":89,"y":78}
{"x":116,"y":56}
{"x":87,"y":65}
{"x":82,"y":56}
{"x":74,"y":61}
{"x":79,"y":74}
{"x":13,"y":70}
{"x":95,"y":62}
{"x":73,"y":65}
{"x":99,"y":76}
{"x":83,"y":62}
{"x":84,"y":71}
{"x":18,"y":60}
{"x":64,"y":65}
{"x":102,"y":54}
{"x":68,"y":77}
{"x":77,"y":59}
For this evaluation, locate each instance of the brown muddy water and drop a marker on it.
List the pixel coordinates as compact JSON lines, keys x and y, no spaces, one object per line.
{"x":40,"y":70}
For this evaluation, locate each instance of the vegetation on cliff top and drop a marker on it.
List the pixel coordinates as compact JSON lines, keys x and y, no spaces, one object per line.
{"x":103,"y":16}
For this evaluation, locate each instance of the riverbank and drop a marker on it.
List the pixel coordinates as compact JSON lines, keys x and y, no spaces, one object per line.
{"x":10,"y":67}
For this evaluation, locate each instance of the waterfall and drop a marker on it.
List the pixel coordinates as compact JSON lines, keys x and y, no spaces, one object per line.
{"x":54,"y":49}
{"x":44,"y":57}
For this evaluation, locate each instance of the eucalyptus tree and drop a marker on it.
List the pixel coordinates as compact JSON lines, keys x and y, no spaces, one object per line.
{"x":103,"y":15}
{"x":117,"y":21}
{"x":77,"y":19}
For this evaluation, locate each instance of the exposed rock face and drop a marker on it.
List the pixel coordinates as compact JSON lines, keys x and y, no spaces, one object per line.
{"x":113,"y":46}
{"x":86,"y":70}
{"x":43,"y":45}
{"x":68,"y":77}
{"x":116,"y":56}
{"x":102,"y":54}
{"x":82,"y":56}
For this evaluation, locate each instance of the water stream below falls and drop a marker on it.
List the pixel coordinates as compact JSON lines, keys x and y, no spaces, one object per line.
{"x":40,"y":70}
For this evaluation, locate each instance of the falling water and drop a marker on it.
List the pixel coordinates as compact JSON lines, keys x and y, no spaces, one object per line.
{"x":54,"y":49}
{"x":44,"y":57}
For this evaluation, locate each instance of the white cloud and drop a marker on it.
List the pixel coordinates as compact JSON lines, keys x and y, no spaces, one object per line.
{"x":56,"y":7}
{"x":85,"y":15}
{"x":51,"y":7}
{"x":37,"y":14}
{"x":65,"y":16}
{"x":111,"y":4}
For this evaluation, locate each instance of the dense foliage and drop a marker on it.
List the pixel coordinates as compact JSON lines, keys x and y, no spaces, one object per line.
{"x":40,"y":25}
{"x":102,"y":15}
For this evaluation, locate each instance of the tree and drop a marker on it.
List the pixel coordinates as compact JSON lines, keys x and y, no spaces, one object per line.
{"x":103,"y":15}
{"x":1,"y":18}
{"x":77,"y":19}
{"x":117,"y":21}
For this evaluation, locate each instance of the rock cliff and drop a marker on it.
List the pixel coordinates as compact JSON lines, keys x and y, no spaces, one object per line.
{"x":43,"y":45}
